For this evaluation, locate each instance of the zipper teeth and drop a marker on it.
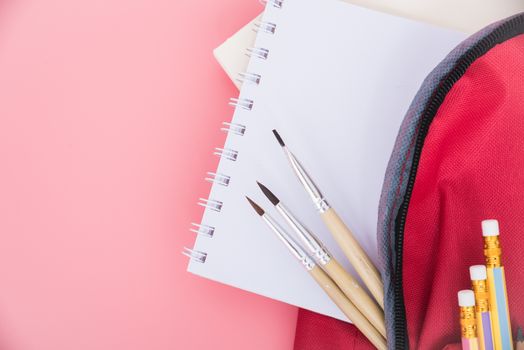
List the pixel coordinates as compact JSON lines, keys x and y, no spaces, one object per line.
{"x":505,"y":32}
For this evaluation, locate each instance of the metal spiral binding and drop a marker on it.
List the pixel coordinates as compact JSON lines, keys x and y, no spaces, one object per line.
{"x":237,"y":129}
{"x":211,"y":204}
{"x":266,"y":27}
{"x":226,"y":153}
{"x":275,"y":3}
{"x":258,"y":52}
{"x":234,"y":128}
{"x":220,"y":179}
{"x":243,"y":103}
{"x":249,"y":77}
{"x":204,"y":230}
{"x":195,"y":255}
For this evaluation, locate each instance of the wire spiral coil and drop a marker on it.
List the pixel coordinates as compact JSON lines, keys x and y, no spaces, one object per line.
{"x":233,"y":129}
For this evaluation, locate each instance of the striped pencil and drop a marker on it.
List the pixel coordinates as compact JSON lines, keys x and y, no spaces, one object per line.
{"x":498,"y":297}
{"x":478,"y":276}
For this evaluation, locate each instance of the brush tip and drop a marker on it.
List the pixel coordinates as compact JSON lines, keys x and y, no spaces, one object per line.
{"x":272,"y":198}
{"x":279,"y":139}
{"x":255,"y":206}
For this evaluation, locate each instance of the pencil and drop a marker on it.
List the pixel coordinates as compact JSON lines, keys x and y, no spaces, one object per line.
{"x":498,"y":297}
{"x":325,"y":259}
{"x":324,"y":281}
{"x":479,"y":277}
{"x":341,"y":233}
{"x":468,"y":326}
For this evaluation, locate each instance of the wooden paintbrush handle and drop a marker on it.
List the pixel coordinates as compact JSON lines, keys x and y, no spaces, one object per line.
{"x":355,"y":254}
{"x":338,"y":297}
{"x":358,"y":296}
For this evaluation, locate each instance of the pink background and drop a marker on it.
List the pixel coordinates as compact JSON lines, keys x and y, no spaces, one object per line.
{"x":109,"y":111}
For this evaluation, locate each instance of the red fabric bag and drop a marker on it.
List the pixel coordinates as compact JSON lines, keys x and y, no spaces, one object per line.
{"x":458,"y":161}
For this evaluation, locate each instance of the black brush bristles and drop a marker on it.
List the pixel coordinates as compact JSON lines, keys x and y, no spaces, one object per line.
{"x":279,"y":139}
{"x":272,"y":198}
{"x":255,"y":206}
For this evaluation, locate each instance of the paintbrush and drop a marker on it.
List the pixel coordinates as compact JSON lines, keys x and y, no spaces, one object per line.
{"x":325,"y":282}
{"x":325,"y":259}
{"x":342,"y":234}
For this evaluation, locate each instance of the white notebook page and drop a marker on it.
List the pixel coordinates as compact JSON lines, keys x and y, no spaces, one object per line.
{"x":336,"y":85}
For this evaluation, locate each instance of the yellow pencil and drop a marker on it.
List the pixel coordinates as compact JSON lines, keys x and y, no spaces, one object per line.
{"x":498,"y":297}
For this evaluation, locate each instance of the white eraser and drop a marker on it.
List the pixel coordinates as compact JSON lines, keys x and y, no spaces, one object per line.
{"x":490,"y":228}
{"x":478,"y":272}
{"x":466,"y":297}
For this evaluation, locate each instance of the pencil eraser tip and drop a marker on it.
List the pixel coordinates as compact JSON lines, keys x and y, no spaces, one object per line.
{"x":466,"y":297}
{"x":490,"y":228}
{"x":478,"y":272}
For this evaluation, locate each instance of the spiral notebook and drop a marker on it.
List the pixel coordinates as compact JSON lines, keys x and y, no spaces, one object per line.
{"x":335,"y":80}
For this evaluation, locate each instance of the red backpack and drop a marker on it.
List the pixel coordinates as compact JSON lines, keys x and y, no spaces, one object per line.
{"x":458,"y":159}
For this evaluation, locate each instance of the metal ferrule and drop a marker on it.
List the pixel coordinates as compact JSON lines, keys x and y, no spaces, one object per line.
{"x":312,"y":243}
{"x":316,"y":196}
{"x":468,"y":325}
{"x":290,"y":243}
{"x":480,"y":289}
{"x":492,"y":251}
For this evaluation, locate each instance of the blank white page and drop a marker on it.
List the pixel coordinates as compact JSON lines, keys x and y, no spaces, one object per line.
{"x":336,"y":85}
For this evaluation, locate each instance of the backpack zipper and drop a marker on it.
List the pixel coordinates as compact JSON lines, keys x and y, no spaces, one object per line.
{"x":506,"y":31}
